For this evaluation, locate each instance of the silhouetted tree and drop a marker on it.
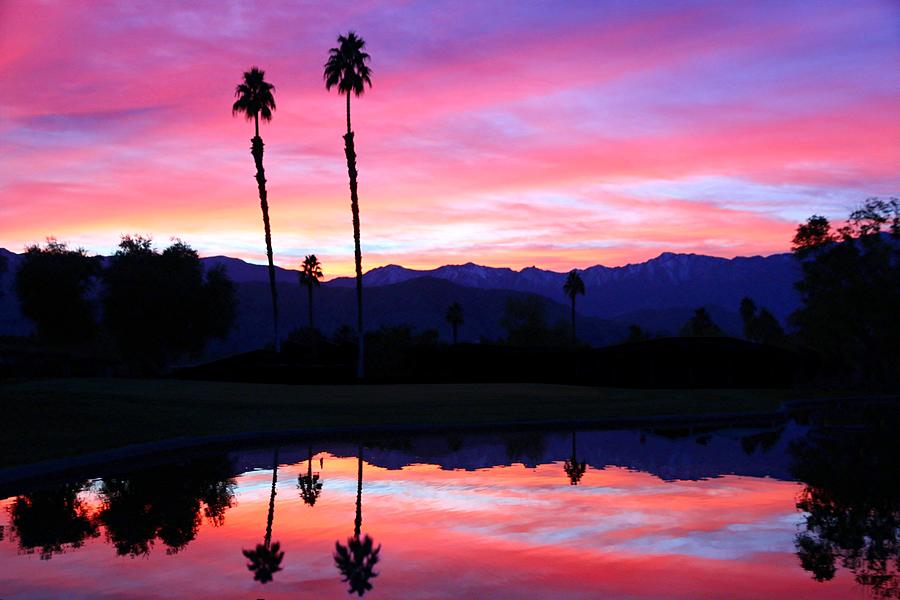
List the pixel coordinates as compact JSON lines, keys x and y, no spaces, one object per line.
{"x":851,"y":502}
{"x":310,"y":276}
{"x":53,"y":285}
{"x":255,"y":99}
{"x":265,"y":559}
{"x":525,"y":323}
{"x":357,"y":559}
{"x":636,"y":333}
{"x":51,"y":520}
{"x":347,"y":70}
{"x":165,"y":503}
{"x":310,"y":484}
{"x":574,"y":469}
{"x":572,"y":288}
{"x":850,"y":290}
{"x":701,"y":325}
{"x":455,"y":317}
{"x":158,"y":306}
{"x":760,"y":326}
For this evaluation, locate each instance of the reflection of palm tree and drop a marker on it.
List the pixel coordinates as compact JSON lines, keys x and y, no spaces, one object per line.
{"x":255,"y":100}
{"x":347,"y":70}
{"x":310,"y":485}
{"x":356,"y":561}
{"x":574,"y":469}
{"x":265,"y":559}
{"x":310,"y":274}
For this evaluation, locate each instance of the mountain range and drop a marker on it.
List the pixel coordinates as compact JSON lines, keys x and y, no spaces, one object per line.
{"x":659,"y":295}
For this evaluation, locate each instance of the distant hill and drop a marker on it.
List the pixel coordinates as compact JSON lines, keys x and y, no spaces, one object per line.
{"x":659,"y":295}
{"x":665,"y":282}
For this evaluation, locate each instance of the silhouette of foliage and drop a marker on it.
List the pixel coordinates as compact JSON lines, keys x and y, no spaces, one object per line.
{"x":636,"y":333}
{"x":525,"y":323}
{"x":165,"y":503}
{"x":53,"y":285}
{"x":760,"y":325}
{"x":701,"y":325}
{"x":310,"y":276}
{"x":159,"y":306}
{"x":265,"y":561}
{"x":572,"y":287}
{"x":850,"y":290}
{"x":852,"y":503}
{"x":51,"y":520}
{"x":391,"y":348}
{"x":356,"y":561}
{"x":455,"y":317}
{"x":255,"y":99}
{"x":347,"y":70}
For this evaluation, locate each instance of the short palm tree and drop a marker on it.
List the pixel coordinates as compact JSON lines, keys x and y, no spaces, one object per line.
{"x":455,"y":318}
{"x":572,"y":288}
{"x":265,"y":559}
{"x":255,"y":100}
{"x":357,"y":559}
{"x":347,"y":70}
{"x":310,"y":276}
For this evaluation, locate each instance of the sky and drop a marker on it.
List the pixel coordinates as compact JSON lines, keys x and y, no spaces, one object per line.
{"x":560,"y":135}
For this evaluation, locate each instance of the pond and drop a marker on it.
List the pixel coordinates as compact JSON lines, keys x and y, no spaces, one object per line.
{"x":798,"y":510}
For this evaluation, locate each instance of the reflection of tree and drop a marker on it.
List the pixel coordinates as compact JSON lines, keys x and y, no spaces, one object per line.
{"x":356,"y":561}
{"x":852,"y":497}
{"x":265,"y":559}
{"x":310,"y":485}
{"x":574,"y":469}
{"x":51,"y":520}
{"x":165,"y":503}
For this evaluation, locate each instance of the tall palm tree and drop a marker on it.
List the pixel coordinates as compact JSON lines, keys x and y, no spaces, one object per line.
{"x":310,"y":485}
{"x":572,"y":287}
{"x":265,"y":559}
{"x":574,"y":469}
{"x":455,"y":318}
{"x":356,"y":561}
{"x":310,"y":276}
{"x":347,"y":70}
{"x":255,"y":100}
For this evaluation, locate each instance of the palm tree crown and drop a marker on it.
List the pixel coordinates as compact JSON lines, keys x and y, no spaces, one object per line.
{"x":254,"y":97}
{"x":346,"y":67}
{"x":573,"y":285}
{"x":311,"y":271}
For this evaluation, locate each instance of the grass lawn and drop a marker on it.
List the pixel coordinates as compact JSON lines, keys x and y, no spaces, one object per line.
{"x":67,"y":417}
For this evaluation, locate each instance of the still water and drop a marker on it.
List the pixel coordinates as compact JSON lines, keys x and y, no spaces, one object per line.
{"x":794,"y":511}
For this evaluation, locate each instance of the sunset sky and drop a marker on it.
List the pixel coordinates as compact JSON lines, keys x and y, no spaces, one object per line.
{"x":556,"y":134}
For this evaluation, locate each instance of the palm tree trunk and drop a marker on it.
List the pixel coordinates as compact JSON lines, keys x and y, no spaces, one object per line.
{"x":257,"y":151}
{"x":573,"y":320}
{"x":455,"y":333}
{"x":309,"y":288}
{"x":357,"y":524}
{"x":350,"y":151}
{"x":271,"y":516}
